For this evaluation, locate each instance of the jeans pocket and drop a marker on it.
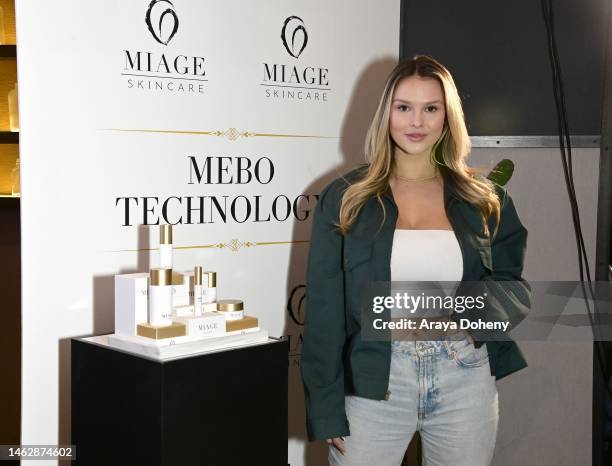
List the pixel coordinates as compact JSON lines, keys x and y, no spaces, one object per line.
{"x":465,"y":354}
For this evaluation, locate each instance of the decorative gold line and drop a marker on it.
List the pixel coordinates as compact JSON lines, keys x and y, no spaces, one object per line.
{"x":219,"y":246}
{"x":272,"y":135}
{"x":158,"y":131}
{"x":203,"y":246}
{"x":232,"y":135}
{"x":268,"y":243}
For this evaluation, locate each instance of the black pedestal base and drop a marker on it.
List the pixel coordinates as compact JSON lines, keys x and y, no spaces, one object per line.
{"x":218,"y":409}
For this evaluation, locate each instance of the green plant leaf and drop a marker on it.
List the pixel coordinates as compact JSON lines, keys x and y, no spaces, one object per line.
{"x":502,"y":172}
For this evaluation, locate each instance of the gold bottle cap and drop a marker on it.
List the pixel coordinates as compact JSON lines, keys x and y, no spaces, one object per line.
{"x":178,"y":278}
{"x":229,"y":305}
{"x":165,"y":234}
{"x":212,"y":279}
{"x":161,"y":277}
{"x":197,"y":275}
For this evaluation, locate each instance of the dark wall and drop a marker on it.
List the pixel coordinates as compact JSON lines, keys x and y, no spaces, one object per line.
{"x":497,"y":53}
{"x":10,"y":316}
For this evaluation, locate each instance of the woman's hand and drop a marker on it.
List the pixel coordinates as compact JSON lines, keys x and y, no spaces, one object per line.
{"x":337,"y":442}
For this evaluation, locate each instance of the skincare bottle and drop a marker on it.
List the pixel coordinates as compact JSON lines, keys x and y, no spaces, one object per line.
{"x":180,"y":289}
{"x":197,"y":290}
{"x":15,"y":179}
{"x":210,"y":290}
{"x":13,"y":105}
{"x":2,"y":32}
{"x":165,"y":246}
{"x":232,"y":309}
{"x":160,"y":297}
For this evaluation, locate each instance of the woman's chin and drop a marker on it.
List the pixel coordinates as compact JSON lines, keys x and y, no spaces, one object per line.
{"x":413,"y":149}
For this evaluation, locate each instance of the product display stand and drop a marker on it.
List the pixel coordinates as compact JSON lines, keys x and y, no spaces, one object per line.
{"x":224,"y":408}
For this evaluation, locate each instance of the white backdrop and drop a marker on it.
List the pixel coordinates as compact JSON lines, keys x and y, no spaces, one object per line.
{"x":106,"y":116}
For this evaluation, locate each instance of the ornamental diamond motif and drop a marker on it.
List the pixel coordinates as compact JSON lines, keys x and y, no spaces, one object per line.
{"x":232,"y":134}
{"x":235,"y":245}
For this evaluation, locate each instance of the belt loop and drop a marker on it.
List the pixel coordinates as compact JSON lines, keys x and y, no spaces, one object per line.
{"x":450,"y":353}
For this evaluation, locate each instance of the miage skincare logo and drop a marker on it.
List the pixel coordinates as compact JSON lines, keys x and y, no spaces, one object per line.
{"x":294,"y":36}
{"x":294,"y":333}
{"x":162,"y":20}
{"x":294,"y":80}
{"x":295,"y":304}
{"x":162,"y":69}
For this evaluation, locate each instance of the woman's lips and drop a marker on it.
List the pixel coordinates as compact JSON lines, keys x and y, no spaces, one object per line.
{"x":416,"y":137}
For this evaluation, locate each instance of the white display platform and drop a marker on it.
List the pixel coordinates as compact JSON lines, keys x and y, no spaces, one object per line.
{"x":163,"y":350}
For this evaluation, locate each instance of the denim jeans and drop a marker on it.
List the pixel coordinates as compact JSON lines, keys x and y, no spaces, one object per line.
{"x":442,"y":388}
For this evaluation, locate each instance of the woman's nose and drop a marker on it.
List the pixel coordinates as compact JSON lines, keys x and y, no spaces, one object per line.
{"x":416,"y":119}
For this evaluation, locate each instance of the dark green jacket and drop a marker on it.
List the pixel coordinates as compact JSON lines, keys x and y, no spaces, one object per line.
{"x":335,"y":360}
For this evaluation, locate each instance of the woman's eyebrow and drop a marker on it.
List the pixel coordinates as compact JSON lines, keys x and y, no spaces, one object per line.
{"x":425,"y":103}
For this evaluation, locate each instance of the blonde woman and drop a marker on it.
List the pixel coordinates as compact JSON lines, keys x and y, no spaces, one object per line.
{"x":415,"y":212}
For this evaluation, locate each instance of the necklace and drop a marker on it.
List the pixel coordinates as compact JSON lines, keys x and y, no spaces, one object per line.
{"x":414,"y":179}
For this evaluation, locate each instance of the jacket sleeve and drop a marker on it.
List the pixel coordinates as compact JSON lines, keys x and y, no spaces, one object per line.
{"x":324,"y":328}
{"x":508,"y":293}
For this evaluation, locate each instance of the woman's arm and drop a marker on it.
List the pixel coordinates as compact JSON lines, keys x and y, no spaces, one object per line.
{"x":508,"y":293}
{"x":324,"y":328}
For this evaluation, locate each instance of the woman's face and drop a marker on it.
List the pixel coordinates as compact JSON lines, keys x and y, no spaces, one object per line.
{"x":417,"y":115}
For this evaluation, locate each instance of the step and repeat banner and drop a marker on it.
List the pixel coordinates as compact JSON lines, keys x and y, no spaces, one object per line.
{"x":224,"y":119}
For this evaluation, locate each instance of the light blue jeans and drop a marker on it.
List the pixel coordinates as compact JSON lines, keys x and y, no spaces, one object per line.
{"x":442,"y":388}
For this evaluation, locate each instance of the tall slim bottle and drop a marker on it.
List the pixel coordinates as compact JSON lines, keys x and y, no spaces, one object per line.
{"x":165,"y":246}
{"x":197,"y":290}
{"x":160,"y":297}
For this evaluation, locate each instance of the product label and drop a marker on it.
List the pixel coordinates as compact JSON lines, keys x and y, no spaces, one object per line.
{"x":233,"y":315}
{"x":207,"y":325}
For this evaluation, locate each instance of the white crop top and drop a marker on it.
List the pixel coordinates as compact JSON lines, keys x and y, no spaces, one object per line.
{"x":426,"y":255}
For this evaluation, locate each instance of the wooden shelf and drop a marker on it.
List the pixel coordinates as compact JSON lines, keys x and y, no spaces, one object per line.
{"x":9,"y":137}
{"x":8,"y":51}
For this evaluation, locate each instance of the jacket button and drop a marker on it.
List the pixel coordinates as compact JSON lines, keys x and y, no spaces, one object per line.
{"x":388,"y":395}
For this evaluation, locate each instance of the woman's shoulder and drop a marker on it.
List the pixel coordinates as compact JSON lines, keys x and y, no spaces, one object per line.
{"x":337,"y":186}
{"x":330,"y":196}
{"x":502,"y":194}
{"x":500,"y":190}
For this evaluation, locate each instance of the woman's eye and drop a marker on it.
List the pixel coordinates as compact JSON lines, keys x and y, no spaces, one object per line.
{"x":402,"y":108}
{"x":432,"y":108}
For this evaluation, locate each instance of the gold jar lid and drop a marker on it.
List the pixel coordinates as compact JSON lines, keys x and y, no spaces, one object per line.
{"x":197,"y":275}
{"x":229,"y":305}
{"x":165,"y":234}
{"x":211,"y":280}
{"x":161,"y":277}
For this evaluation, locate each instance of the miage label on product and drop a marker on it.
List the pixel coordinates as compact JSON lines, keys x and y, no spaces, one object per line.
{"x":208,"y":324}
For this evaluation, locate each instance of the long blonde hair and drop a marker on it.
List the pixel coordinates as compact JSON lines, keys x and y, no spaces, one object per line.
{"x":449,"y":153}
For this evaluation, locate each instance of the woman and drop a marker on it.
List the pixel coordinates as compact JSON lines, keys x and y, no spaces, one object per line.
{"x":414,"y":212}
